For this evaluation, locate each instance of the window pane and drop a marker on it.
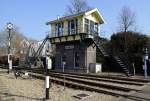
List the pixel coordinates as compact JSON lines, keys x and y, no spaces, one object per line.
{"x":56,"y":30}
{"x":86,"y":27}
{"x":86,"y":21}
{"x":96,"y":27}
{"x":72,"y":27}
{"x":59,"y":29}
{"x":72,"y":24}
{"x":69,"y":27}
{"x":92,"y":27}
{"x":76,"y":26}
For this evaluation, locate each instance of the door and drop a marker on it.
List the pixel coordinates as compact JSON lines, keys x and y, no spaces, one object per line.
{"x":76,"y":59}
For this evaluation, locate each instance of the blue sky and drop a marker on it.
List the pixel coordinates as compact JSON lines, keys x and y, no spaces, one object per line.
{"x":31,"y":15}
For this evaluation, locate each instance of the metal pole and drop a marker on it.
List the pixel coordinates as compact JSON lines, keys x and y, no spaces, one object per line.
{"x":133,"y":68}
{"x":145,"y":63}
{"x":9,"y":50}
{"x":64,"y":75}
{"x":9,"y":27}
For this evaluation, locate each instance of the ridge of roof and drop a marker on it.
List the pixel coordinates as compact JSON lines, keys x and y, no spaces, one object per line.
{"x":78,"y":14}
{"x":69,"y":16}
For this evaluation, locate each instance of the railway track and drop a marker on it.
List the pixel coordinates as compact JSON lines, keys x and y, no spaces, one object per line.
{"x":114,"y":79}
{"x":104,"y":81}
{"x":109,"y":80}
{"x":108,"y":77}
{"x":116,"y":87}
{"x":73,"y":84}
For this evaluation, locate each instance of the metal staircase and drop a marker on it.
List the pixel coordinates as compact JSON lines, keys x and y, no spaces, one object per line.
{"x":98,"y":44}
{"x":104,"y":53}
{"x":33,"y":57}
{"x":29,"y":54}
{"x":36,"y":55}
{"x":122,"y":65}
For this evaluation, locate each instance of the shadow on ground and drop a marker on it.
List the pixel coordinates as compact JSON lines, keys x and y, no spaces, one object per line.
{"x":14,"y":95}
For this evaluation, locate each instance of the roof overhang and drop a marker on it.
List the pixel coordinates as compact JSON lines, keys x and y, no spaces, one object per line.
{"x":95,"y":11}
{"x":98,"y":14}
{"x":63,"y":18}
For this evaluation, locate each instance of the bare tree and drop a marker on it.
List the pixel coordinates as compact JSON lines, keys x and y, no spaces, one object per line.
{"x":77,"y":6}
{"x":126,"y":19}
{"x":16,"y":38}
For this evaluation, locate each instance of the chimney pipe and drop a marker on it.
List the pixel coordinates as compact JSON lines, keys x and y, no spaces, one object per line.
{"x":58,"y":17}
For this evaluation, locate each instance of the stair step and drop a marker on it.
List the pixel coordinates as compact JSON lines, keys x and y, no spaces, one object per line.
{"x":123,"y":66}
{"x":116,"y":58}
{"x":126,"y":70}
{"x":120,"y":62}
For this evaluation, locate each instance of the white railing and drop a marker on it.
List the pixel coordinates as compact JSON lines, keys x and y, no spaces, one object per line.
{"x":73,"y":32}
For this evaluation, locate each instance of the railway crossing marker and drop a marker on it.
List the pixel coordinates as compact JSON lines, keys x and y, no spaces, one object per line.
{"x":48,"y":66}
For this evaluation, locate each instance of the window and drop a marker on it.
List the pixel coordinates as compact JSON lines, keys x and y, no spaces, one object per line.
{"x":92,"y":27}
{"x":59,"y":29}
{"x":76,"y":22}
{"x":69,"y":27}
{"x":86,"y":27}
{"x":72,"y":26}
{"x":96,"y":28}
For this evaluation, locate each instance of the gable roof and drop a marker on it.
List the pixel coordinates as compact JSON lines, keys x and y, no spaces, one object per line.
{"x":24,"y":42}
{"x":96,"y":11}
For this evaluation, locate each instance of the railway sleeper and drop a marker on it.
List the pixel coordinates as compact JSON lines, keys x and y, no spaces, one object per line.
{"x":98,"y":76}
{"x":92,"y":83}
{"x":109,"y":77}
{"x":96,"y":84}
{"x":121,"y":80}
{"x":90,"y":88}
{"x":80,"y":86}
{"x":103,"y":79}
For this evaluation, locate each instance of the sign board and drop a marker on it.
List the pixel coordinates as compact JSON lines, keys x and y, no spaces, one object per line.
{"x":69,"y":47}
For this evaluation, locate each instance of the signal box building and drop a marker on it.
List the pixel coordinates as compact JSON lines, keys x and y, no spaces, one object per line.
{"x":73,"y":38}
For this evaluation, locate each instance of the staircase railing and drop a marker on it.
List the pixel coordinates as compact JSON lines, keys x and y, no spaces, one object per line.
{"x":105,"y":53}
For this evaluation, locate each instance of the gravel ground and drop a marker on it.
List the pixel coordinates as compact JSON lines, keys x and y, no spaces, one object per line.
{"x":23,"y":89}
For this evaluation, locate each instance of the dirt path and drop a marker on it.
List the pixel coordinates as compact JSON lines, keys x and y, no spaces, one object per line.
{"x":23,"y":89}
